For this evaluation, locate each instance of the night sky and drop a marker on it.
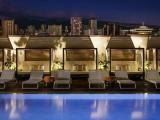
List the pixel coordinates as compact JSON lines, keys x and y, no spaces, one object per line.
{"x":130,"y":11}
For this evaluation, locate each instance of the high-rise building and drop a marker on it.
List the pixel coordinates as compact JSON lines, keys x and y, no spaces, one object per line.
{"x":76,"y":25}
{"x":8,"y":27}
{"x":43,"y":28}
{"x":106,"y":30}
{"x":55,"y":29}
{"x":100,"y":32}
{"x":112,"y":29}
{"x":66,"y":31}
{"x":93,"y":27}
{"x":31,"y":30}
{"x":86,"y":30}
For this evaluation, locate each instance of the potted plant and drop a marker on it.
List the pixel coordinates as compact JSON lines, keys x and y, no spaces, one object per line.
{"x":57,"y":64}
{"x":147,"y":65}
{"x":10,"y":65}
{"x":103,"y":63}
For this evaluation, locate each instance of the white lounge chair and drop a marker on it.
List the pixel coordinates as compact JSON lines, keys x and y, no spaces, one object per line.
{"x":62,"y":79}
{"x":122,"y":79}
{"x":153,"y":76}
{"x":35,"y":78}
{"x":6,"y":76}
{"x":96,"y":78}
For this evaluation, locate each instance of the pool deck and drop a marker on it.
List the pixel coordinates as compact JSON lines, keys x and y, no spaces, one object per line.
{"x":79,"y":86}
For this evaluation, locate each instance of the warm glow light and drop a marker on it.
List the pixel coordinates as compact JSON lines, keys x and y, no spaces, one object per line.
{"x":18,"y":42}
{"x":145,"y":95}
{"x":15,"y":106}
{"x":136,"y":115}
{"x":59,"y":50}
{"x":59,"y":102}
{"x":100,"y":108}
{"x":100,"y":43}
{"x":140,"y":41}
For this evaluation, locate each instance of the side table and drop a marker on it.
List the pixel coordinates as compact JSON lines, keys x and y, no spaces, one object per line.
{"x":109,"y":81}
{"x":48,"y":79}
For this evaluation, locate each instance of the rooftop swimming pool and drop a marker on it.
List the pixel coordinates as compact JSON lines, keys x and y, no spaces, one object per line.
{"x":79,"y":107}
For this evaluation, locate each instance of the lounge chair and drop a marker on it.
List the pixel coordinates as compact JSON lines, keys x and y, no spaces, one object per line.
{"x":96,"y":79}
{"x":54,"y":73}
{"x":123,"y":80}
{"x":62,"y":79}
{"x":6,"y":76}
{"x":35,"y":78}
{"x":153,"y":76}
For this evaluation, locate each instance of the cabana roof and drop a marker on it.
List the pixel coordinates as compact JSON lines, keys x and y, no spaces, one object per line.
{"x":120,"y":42}
{"x":5,"y":43}
{"x":154,"y":42}
{"x":78,"y":42}
{"x":43,"y":42}
{"x":53,"y":42}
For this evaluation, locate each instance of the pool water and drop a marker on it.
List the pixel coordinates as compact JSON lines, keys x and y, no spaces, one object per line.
{"x":79,"y":107}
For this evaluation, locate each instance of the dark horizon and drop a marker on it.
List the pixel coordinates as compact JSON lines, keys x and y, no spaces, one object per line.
{"x":108,"y":10}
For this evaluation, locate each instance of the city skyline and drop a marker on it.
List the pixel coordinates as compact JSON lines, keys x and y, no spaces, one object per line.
{"x":109,"y":10}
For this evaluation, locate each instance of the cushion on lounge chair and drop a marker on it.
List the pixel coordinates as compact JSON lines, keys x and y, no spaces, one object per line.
{"x":62,"y":82}
{"x":36,"y":75}
{"x":152,"y":75}
{"x":94,"y":75}
{"x":7,"y":75}
{"x":96,"y":81}
{"x":126,"y":81}
{"x":103,"y":73}
{"x":32,"y":81}
{"x":63,"y":75}
{"x":121,"y":74}
{"x":54,"y":73}
{"x":97,"y":76}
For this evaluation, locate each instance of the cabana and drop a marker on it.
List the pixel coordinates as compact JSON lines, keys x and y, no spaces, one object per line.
{"x":79,"y":54}
{"x":36,"y":55}
{"x":123,"y":55}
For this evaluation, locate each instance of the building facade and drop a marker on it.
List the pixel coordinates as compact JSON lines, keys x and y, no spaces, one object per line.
{"x":76,"y":25}
{"x":93,"y":26}
{"x":8,"y":27}
{"x":55,"y":30}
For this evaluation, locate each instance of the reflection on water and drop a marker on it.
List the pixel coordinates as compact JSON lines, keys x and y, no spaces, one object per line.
{"x":14,"y":107}
{"x":136,"y":115}
{"x":99,"y":109}
{"x":54,"y":107}
{"x":58,"y":102}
